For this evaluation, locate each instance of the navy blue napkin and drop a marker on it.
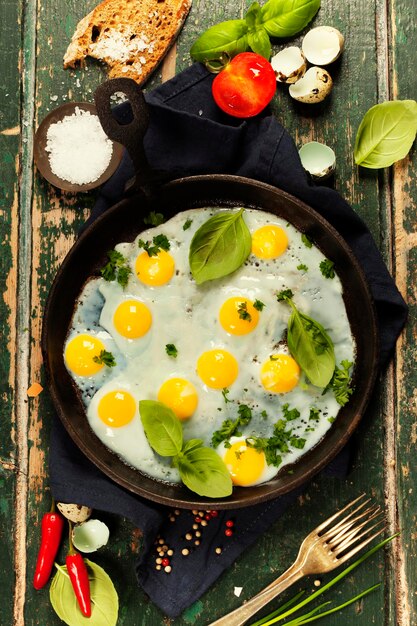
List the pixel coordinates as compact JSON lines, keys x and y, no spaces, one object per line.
{"x":187,"y":135}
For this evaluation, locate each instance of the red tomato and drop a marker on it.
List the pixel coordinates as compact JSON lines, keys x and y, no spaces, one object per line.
{"x":245,"y":86}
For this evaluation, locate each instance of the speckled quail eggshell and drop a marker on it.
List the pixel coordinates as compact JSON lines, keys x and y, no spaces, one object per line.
{"x":76,"y":513}
{"x":323,"y":45}
{"x":289,"y":65}
{"x":313,"y":87}
{"x":90,"y":536}
{"x":318,"y":159}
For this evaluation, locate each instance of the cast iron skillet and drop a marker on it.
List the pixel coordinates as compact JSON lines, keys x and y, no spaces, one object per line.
{"x":123,"y":222}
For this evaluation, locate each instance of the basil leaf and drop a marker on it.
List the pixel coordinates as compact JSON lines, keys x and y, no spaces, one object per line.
{"x":284,"y":18}
{"x":104,"y":599}
{"x":386,"y":133}
{"x":203,"y":471}
{"x":311,"y":347}
{"x":259,"y":42}
{"x":162,"y":428}
{"x":253,"y":17}
{"x":229,"y":37}
{"x":220,"y":246}
{"x":192,"y":444}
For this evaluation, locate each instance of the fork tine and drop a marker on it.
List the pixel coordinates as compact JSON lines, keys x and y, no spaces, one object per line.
{"x":333,"y":537}
{"x":355,"y":535}
{"x":348,"y":555}
{"x":344,"y":522}
{"x":331,"y":519}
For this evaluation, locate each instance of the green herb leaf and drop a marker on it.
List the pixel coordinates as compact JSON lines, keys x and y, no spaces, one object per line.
{"x":225,"y":393}
{"x":105,"y":358}
{"x":154,"y":219}
{"x":290,"y":414}
{"x":258,"y":305}
{"x":162,"y":428}
{"x":327,"y":268}
{"x":284,"y":19}
{"x":229,"y":37}
{"x":187,"y":224}
{"x":192,"y":444}
{"x":258,"y":38}
{"x":302,"y":267}
{"x":220,"y":246}
{"x":203,"y":471}
{"x":171,"y":350}
{"x":314,"y":414}
{"x":310,"y":345}
{"x":386,"y":133}
{"x":306,"y":241}
{"x":341,"y":383}
{"x":243,"y":312}
{"x":104,"y":599}
{"x":285,"y":295}
{"x":117,"y":268}
{"x":160,"y":242}
{"x":230,"y":427}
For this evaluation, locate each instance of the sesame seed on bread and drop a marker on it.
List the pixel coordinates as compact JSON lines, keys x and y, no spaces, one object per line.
{"x":130,"y":36}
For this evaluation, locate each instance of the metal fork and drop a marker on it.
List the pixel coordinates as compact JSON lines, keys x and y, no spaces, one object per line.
{"x":325,"y":548}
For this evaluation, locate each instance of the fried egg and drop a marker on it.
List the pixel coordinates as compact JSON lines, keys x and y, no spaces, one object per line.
{"x":247,"y":466}
{"x":206,"y":350}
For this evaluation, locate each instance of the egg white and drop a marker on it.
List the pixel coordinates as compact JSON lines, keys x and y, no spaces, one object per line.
{"x":186,"y":315}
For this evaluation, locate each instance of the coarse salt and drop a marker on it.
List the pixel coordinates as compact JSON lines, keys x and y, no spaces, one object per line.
{"x":79,"y":151}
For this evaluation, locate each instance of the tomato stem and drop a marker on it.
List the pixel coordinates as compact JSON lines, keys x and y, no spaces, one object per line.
{"x":215,"y":66}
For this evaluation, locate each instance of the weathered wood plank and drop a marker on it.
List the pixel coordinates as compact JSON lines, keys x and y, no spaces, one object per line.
{"x":403,"y":40}
{"x":10,"y":140}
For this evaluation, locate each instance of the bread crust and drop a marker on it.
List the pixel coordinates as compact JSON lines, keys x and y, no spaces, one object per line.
{"x":130,"y":36}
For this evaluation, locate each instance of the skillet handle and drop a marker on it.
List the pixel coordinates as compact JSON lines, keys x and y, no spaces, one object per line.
{"x":130,"y":135}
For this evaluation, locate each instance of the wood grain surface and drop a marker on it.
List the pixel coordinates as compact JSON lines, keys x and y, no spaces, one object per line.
{"x":38,"y":225}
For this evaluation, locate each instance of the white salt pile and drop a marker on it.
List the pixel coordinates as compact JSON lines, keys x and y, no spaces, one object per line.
{"x":79,"y":151}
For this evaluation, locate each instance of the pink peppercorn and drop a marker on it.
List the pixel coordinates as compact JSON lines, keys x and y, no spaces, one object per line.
{"x":165,"y":562}
{"x":230,"y":523}
{"x":228,"y":532}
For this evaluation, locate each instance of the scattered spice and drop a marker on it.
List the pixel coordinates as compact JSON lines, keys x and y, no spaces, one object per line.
{"x":79,"y":151}
{"x":34,"y":390}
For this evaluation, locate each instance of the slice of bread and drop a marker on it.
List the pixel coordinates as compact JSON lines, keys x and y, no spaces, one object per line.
{"x":131,"y":36}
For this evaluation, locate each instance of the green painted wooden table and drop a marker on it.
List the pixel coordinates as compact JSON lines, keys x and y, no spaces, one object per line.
{"x":38,"y":226}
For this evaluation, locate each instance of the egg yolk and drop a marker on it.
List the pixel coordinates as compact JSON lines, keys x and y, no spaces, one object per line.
{"x":280,"y":374}
{"x":269,"y":242}
{"x":155,"y":270}
{"x":238,"y":316}
{"x":132,"y":319}
{"x":117,"y":408}
{"x":217,"y":368}
{"x":180,"y":395}
{"x":244,"y":463}
{"x":80,"y":353}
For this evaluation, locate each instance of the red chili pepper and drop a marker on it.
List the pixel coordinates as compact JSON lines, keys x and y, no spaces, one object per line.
{"x":51,"y":532}
{"x":78,"y":574}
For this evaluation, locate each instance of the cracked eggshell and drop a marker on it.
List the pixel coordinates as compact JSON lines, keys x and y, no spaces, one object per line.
{"x":289,"y":64}
{"x":318,"y":159}
{"x":76,"y":513}
{"x":90,"y":536}
{"x":314,"y":86}
{"x":323,"y":45}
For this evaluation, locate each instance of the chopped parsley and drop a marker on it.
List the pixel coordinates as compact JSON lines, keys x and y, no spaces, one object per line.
{"x":171,"y":350}
{"x":154,"y":219}
{"x":258,"y":305}
{"x":331,"y":419}
{"x":229,"y":428}
{"x":187,"y":224}
{"x":314,"y":414}
{"x":290,"y":414}
{"x":244,"y":314}
{"x":105,"y":358}
{"x":160,"y":242}
{"x":116,"y":268}
{"x":225,"y":394}
{"x":341,"y":383}
{"x":264,"y":414}
{"x":327,"y":268}
{"x":302,"y":267}
{"x":306,"y":241}
{"x":284,"y":295}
